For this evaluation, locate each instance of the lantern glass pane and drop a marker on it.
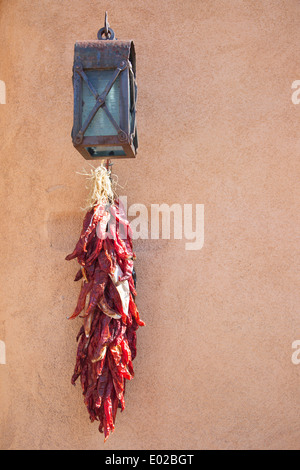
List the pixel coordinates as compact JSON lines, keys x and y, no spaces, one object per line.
{"x":101,"y":125}
{"x":104,"y":151}
{"x":132,"y":117}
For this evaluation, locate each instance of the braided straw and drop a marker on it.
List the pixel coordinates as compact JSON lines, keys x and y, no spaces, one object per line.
{"x":101,"y":185}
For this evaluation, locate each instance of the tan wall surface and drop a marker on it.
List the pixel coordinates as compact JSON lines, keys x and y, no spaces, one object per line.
{"x":216,"y":127}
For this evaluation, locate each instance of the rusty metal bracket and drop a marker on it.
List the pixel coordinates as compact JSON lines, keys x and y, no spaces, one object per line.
{"x":133,"y":85}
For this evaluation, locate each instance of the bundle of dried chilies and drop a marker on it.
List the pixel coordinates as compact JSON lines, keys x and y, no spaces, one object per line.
{"x":107,"y":338}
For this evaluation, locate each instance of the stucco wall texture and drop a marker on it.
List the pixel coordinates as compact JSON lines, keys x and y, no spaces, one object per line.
{"x":217,"y":127}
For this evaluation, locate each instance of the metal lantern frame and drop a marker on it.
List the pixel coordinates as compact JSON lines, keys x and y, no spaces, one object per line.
{"x":97,"y":55}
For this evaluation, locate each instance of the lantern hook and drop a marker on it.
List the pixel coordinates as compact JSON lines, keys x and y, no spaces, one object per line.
{"x":108,"y":166}
{"x":106,"y":24}
{"x":106,"y":31}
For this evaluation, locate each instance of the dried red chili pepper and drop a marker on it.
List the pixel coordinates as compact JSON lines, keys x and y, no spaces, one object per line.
{"x":85,"y":289}
{"x":107,"y":339}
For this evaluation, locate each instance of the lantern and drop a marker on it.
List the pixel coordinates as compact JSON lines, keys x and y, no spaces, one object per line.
{"x":105,"y":91}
